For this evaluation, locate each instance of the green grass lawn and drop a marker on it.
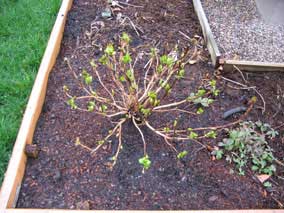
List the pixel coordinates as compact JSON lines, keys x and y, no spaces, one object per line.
{"x":25,"y":27}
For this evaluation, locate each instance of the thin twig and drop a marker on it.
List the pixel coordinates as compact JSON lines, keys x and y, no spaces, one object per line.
{"x":119,"y":145}
{"x":108,"y":136}
{"x":278,"y":127}
{"x":187,"y":37}
{"x":243,"y":77}
{"x":247,"y":87}
{"x":142,"y":135}
{"x":176,"y":109}
{"x":136,"y":28}
{"x":107,"y":90}
{"x":220,"y":126}
{"x":131,"y":5}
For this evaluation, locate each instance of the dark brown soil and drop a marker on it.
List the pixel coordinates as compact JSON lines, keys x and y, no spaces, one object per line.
{"x":66,"y":176}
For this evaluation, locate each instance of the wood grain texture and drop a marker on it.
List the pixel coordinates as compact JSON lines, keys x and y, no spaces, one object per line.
{"x":252,"y":66}
{"x":207,"y":33}
{"x":17,"y":163}
{"x":14,"y":174}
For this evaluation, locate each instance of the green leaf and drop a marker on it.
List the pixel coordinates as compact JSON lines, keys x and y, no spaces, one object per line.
{"x":153,"y":52}
{"x":103,"y":60}
{"x":193,"y":135}
{"x":175,"y":123}
{"x":152,"y":94}
{"x":71,"y":103}
{"x":180,"y":74}
{"x":200,"y":111}
{"x":126,"y":59}
{"x":212,"y":83}
{"x":241,"y":172}
{"x":146,"y":112}
{"x":254,"y":168}
{"x":103,"y":108}
{"x":267,"y":184}
{"x":130,"y":75}
{"x":87,"y":77}
{"x":110,"y":50}
{"x":91,"y":106}
{"x":126,"y":38}
{"x":93,"y":64}
{"x":167,"y":88}
{"x":211,"y":134}
{"x":203,"y":101}
{"x":145,"y":162}
{"x":65,"y":88}
{"x":219,"y":154}
{"x":167,"y":60}
{"x":216,"y":92}
{"x":122,"y":78}
{"x":167,"y":129}
{"x":182,"y":154}
{"x":201,"y":92}
{"x":160,"y":68}
{"x":100,"y":142}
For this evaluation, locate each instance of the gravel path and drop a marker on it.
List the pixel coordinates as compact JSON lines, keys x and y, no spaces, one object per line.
{"x":241,"y":33}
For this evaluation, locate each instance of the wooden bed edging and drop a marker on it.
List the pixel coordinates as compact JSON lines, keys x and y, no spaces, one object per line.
{"x":228,"y":65}
{"x":14,"y":174}
{"x":13,"y":177}
{"x":215,"y":54}
{"x":132,"y":211}
{"x":207,"y":33}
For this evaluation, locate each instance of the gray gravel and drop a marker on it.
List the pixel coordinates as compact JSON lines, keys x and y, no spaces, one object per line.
{"x":242,"y":33}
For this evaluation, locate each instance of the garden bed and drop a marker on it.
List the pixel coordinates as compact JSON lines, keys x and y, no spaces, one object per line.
{"x":244,"y":34}
{"x":65,"y":176}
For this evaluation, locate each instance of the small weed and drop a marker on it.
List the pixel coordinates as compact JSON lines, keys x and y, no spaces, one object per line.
{"x":267,"y":184}
{"x":248,"y":145}
{"x":182,"y":154}
{"x":145,"y":162}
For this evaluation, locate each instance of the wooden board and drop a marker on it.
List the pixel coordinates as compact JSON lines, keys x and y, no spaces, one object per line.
{"x":228,"y":65}
{"x":14,"y":174}
{"x":207,"y":33}
{"x":215,"y":54}
{"x":15,"y":171}
{"x":102,"y":211}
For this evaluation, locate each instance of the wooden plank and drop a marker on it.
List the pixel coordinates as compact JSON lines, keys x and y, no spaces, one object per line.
{"x":252,"y":66}
{"x":207,"y":33}
{"x":228,"y":65}
{"x":17,"y":163}
{"x":16,"y":167}
{"x":104,"y":211}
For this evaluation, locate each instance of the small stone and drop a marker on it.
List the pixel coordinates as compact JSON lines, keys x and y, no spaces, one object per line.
{"x":106,"y":13}
{"x":83,"y":205}
{"x":57,"y":175}
{"x":32,"y":150}
{"x":213,"y":198}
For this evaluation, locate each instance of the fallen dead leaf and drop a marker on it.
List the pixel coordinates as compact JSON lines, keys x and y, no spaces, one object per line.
{"x":263,"y":178}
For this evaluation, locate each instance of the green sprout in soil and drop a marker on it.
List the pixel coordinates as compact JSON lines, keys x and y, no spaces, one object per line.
{"x":247,"y":145}
{"x":130,"y":98}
